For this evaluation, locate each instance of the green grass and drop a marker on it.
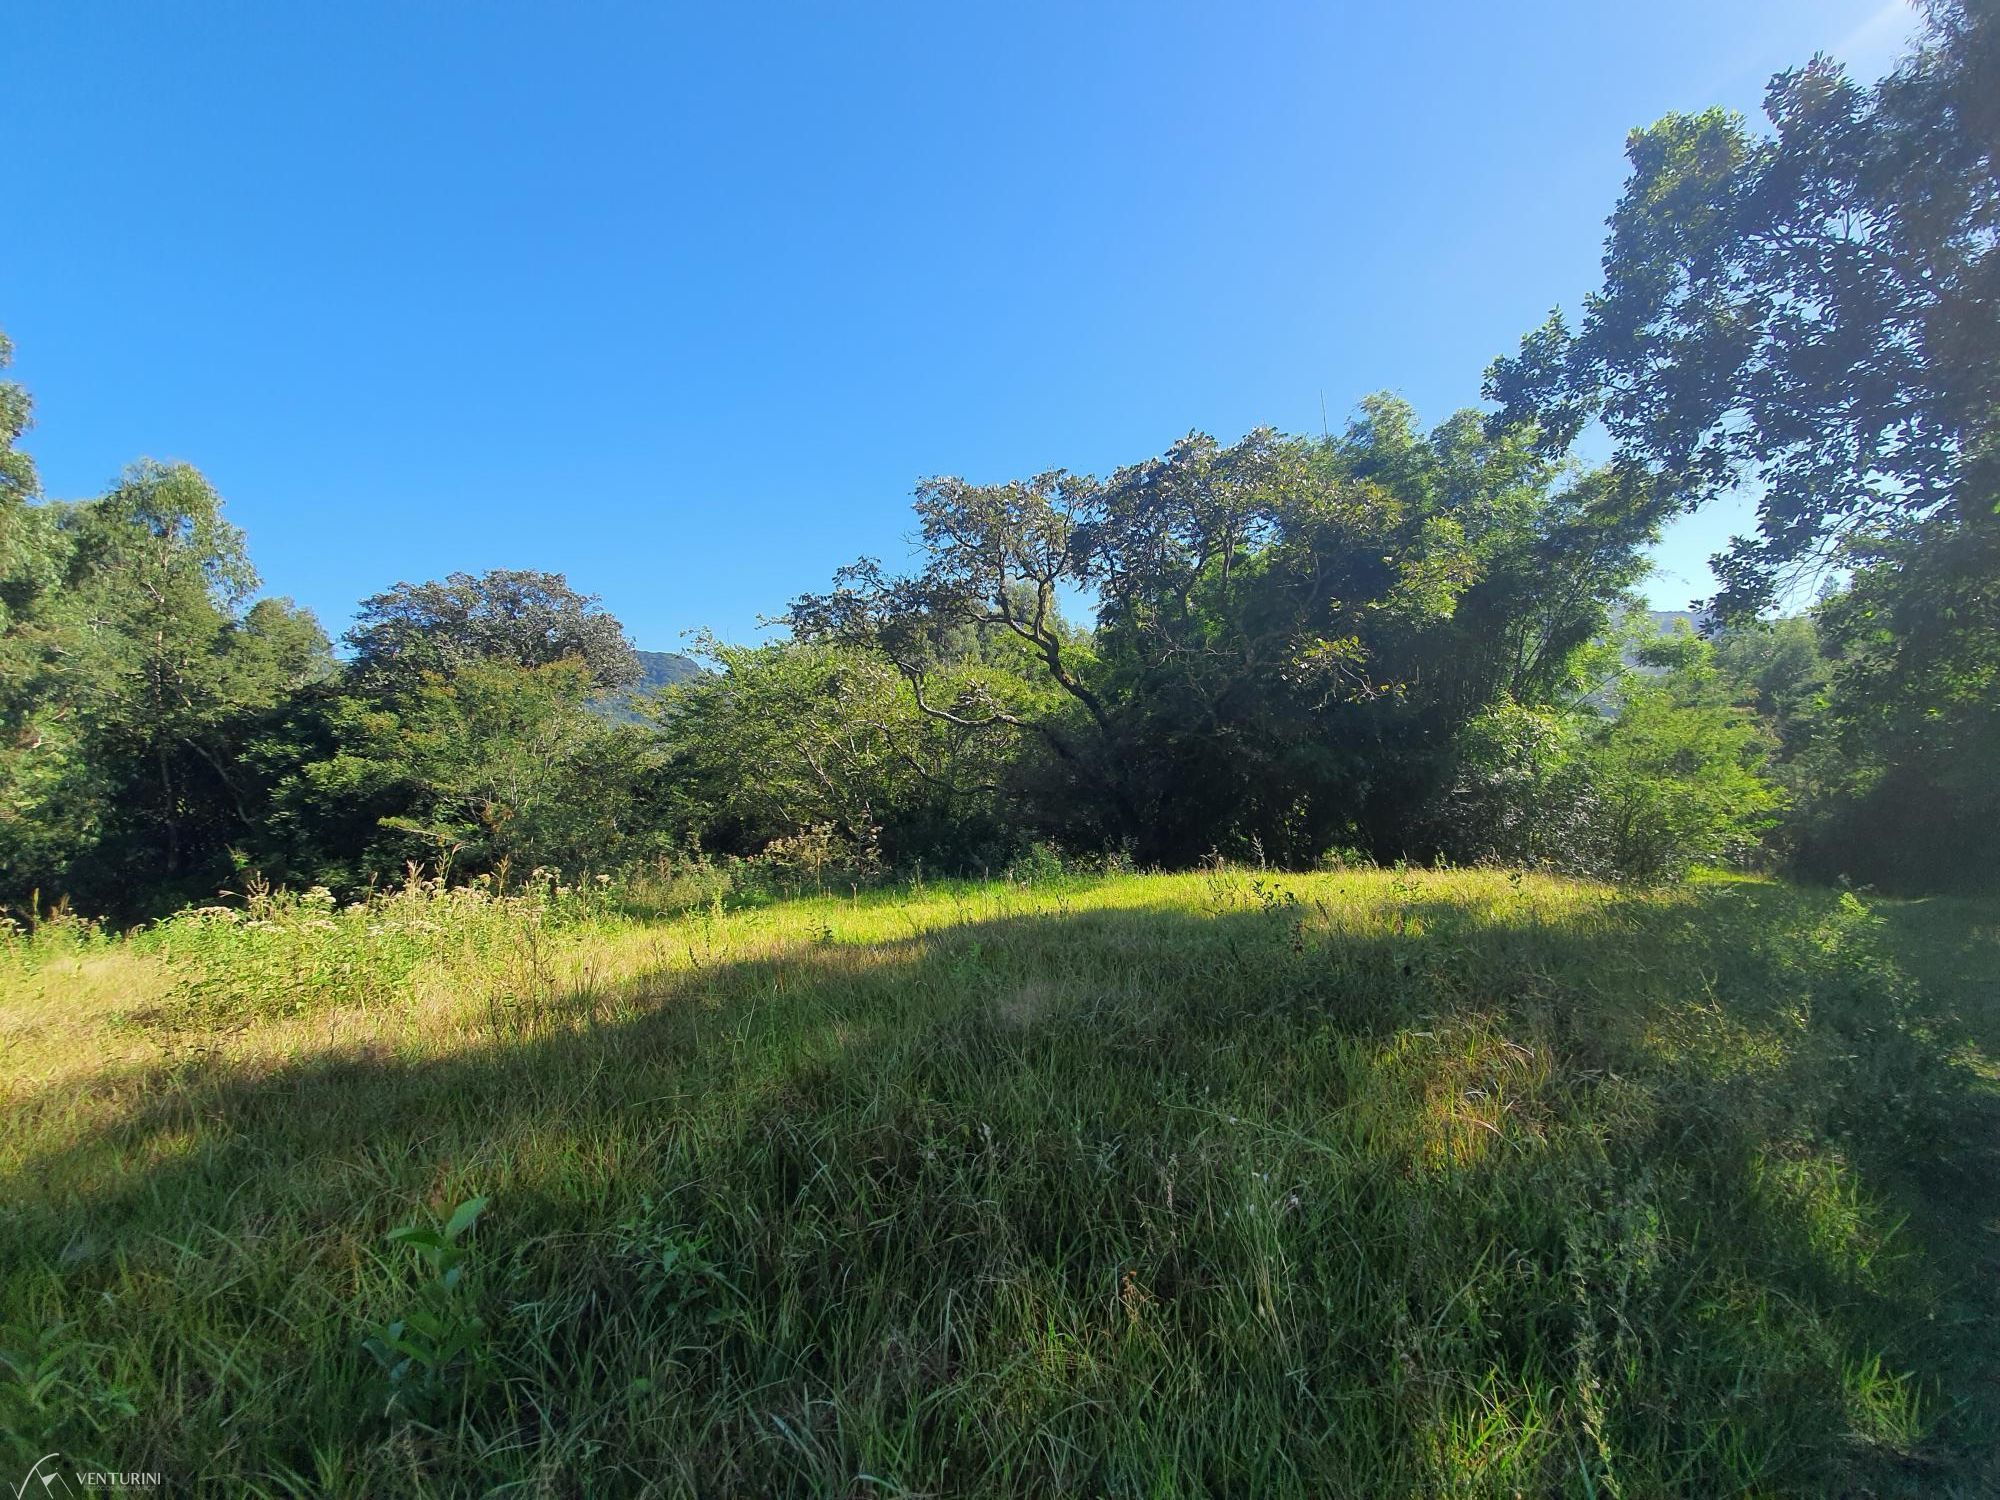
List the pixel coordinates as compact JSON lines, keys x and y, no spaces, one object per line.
{"x":1365,"y":1184}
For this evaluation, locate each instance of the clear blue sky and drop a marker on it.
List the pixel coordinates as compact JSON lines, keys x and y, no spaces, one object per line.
{"x":681,"y":302}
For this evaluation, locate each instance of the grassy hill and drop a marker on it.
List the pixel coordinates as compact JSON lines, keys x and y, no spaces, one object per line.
{"x":1377,"y":1183}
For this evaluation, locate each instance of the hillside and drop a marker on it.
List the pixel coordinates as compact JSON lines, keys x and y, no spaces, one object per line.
{"x":664,"y":669}
{"x":1384,"y":1183}
{"x":658,"y":670}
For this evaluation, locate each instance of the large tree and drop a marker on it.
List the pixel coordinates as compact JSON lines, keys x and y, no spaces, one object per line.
{"x":1290,"y":632}
{"x":138,"y":667}
{"x":467,"y":733}
{"x":1813,"y":312}
{"x":509,"y":615}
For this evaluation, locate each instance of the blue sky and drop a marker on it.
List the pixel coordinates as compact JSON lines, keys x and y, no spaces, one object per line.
{"x":681,"y":302}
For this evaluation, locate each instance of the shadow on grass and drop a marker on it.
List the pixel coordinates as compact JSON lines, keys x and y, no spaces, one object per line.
{"x":1261,"y":1199}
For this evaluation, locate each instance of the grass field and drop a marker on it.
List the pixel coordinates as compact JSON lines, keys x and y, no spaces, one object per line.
{"x":1377,"y":1183}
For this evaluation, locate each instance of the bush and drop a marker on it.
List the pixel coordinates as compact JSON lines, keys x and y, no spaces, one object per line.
{"x":1675,"y":785}
{"x":289,"y":953}
{"x":1667,"y":776}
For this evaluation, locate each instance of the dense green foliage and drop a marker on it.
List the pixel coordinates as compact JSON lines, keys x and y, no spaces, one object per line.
{"x":1815,"y":314}
{"x":1295,"y":642}
{"x":847,"y":769}
{"x":1390,"y":643}
{"x":1672,"y":774}
{"x":1885,"y":705}
{"x":1291,"y":634}
{"x":138,"y":680}
{"x":492,"y":766}
{"x":1366,"y":1184}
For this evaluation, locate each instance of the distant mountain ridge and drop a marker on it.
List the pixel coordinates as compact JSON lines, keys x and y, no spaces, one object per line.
{"x":658,"y":671}
{"x":663,"y":669}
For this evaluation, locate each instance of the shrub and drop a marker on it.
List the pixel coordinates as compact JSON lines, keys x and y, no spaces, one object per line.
{"x":1666,"y":776}
{"x":286,"y":952}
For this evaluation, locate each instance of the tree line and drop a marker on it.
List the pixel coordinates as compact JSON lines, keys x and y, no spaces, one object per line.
{"x":1387,"y":643}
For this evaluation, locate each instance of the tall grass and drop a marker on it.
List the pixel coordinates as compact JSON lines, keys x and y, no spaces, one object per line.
{"x":1366,"y":1183}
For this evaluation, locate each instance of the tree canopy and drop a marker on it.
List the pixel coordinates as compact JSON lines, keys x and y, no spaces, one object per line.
{"x":1814,"y":311}
{"x":512,"y":615}
{"x":1289,"y":631}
